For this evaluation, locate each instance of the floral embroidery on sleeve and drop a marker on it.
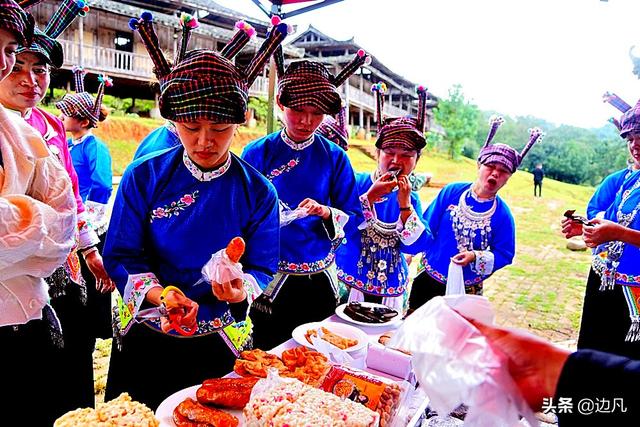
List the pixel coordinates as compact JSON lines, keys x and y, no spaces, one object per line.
{"x":411,"y":230}
{"x":283,"y":169}
{"x":174,"y":208}
{"x":339,"y":220}
{"x":86,"y":235}
{"x":483,"y":265}
{"x":135,"y":291}
{"x":97,"y":216}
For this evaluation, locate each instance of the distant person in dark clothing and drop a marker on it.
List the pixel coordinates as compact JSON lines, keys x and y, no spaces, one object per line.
{"x":538,"y":175}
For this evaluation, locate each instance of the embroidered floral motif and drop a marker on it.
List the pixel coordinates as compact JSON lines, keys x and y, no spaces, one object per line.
{"x":201,"y":175}
{"x":424,"y":266}
{"x":306,"y":267}
{"x":206,"y":326}
{"x":411,"y":226}
{"x":382,"y":290}
{"x":135,"y":291}
{"x":174,"y":208}
{"x":298,"y":146}
{"x":624,"y":278}
{"x":283,"y":169}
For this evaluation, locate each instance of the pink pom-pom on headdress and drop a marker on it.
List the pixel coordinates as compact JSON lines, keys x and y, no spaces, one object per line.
{"x":107,"y":81}
{"x":275,"y":20}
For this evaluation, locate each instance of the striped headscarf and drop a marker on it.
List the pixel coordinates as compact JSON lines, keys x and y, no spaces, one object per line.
{"x":502,"y":153}
{"x":204,"y":84}
{"x":15,"y":20}
{"x":309,"y":83}
{"x":335,"y":129}
{"x":81,"y":105}
{"x":44,"y":42}
{"x":630,"y":121}
{"x":400,"y":132}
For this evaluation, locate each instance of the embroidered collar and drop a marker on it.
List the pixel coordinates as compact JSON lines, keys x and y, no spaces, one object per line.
{"x":298,"y":146}
{"x":80,"y":140}
{"x":202,"y":175}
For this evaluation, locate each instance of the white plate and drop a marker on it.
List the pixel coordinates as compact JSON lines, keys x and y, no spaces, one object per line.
{"x":164,"y":413}
{"x":341,"y":329}
{"x":393,"y":322}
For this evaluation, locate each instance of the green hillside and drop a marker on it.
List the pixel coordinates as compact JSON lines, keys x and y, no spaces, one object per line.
{"x":542,"y":290}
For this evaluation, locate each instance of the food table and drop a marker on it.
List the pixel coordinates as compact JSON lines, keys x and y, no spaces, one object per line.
{"x":413,"y":404}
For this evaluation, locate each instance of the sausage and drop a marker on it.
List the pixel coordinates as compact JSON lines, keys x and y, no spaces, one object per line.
{"x":199,"y":415}
{"x":231,"y":393}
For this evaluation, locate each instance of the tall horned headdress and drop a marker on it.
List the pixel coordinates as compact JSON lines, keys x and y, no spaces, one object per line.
{"x":82,"y":105}
{"x":503,"y":154}
{"x":309,"y":83}
{"x":45,"y":42}
{"x":630,"y":120}
{"x":202,"y":83}
{"x":401,"y":132}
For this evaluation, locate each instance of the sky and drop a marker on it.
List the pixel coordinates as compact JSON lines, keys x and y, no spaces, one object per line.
{"x":551,"y":59}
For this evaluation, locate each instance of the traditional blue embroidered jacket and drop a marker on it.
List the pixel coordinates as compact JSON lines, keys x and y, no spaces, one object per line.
{"x":159,"y":139}
{"x":442,"y":244}
{"x":383,"y":271}
{"x":628,"y":270}
{"x":92,"y":162}
{"x":319,"y":170}
{"x":168,"y":219}
{"x":606,"y":192}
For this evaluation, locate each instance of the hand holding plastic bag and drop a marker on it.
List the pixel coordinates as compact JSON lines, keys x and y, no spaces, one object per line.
{"x":224,"y":265}
{"x":288,"y":215}
{"x":455,"y":280}
{"x":456,"y":365}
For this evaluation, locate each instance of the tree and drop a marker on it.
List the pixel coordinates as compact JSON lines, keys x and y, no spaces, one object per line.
{"x":458,"y":117}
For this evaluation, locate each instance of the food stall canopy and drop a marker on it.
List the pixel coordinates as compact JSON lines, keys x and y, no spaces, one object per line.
{"x":276,"y":6}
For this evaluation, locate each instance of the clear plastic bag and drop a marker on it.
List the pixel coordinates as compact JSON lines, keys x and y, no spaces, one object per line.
{"x":288,"y":215}
{"x":221,"y":269}
{"x":455,"y":364}
{"x":455,"y":280}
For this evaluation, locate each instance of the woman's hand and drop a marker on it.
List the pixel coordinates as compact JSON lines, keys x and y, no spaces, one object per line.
{"x":404,"y":191}
{"x":534,"y":364}
{"x":571,"y":228}
{"x":602,"y":231}
{"x":381,"y":187}
{"x":104,"y":284}
{"x":464,"y":258}
{"x":182,"y":311}
{"x":231,"y":292}
{"x":315,"y":208}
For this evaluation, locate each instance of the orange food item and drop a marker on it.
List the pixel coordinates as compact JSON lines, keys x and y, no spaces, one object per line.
{"x":305,"y":364}
{"x":190,"y":413}
{"x":235,"y":249}
{"x":332,"y":338}
{"x":256,"y":363}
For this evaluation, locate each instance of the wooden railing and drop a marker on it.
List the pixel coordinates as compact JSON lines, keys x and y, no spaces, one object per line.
{"x":140,"y":67}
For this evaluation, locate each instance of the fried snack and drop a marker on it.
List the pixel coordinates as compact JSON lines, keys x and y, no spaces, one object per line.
{"x":230,"y":393}
{"x":305,"y":364}
{"x":121,"y":411}
{"x":235,"y":249}
{"x":190,"y":413}
{"x":332,"y":338}
{"x":256,"y":363}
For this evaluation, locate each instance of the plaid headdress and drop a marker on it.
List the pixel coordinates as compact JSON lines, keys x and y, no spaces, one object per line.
{"x":502,"y":153}
{"x":400,"y":132}
{"x":81,"y":104}
{"x":335,"y":129}
{"x":630,"y":120}
{"x":309,"y":83}
{"x":13,"y":18}
{"x":44,"y":42}
{"x":203,"y":84}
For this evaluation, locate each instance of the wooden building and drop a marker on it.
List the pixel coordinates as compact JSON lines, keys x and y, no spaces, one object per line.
{"x":401,"y":99}
{"x":103,"y":42}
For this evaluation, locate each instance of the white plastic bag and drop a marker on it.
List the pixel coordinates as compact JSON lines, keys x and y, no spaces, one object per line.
{"x":456,"y":365}
{"x":221,"y":269}
{"x":288,"y":215}
{"x":455,"y":280}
